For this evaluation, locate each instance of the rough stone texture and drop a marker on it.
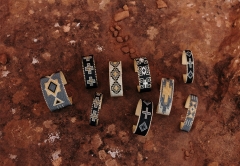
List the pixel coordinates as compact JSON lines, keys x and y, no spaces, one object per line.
{"x":210,"y":29}
{"x":121,"y":15}
{"x":125,"y":49}
{"x":161,"y":4}
{"x":125,"y":7}
{"x":111,"y":129}
{"x":117,"y":27}
{"x":119,"y":39}
{"x":102,"y":155}
{"x":111,"y":162}
{"x":115,"y":33}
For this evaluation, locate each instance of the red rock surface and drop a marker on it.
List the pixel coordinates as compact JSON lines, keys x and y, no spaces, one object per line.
{"x":41,"y":37}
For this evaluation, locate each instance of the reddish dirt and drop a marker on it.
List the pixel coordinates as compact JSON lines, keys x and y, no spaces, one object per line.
{"x":40,"y":37}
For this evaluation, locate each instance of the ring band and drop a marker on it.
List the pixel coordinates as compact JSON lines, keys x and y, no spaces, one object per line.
{"x":144,"y":111}
{"x":187,"y":59}
{"x":54,"y":92}
{"x":166,"y":96}
{"x":96,"y":106}
{"x":191,"y":105}
{"x":89,"y":72}
{"x":144,"y":77}
{"x":115,"y":79}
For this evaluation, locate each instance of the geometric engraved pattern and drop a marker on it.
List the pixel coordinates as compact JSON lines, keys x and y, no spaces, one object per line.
{"x":190,"y":74}
{"x":144,"y":75}
{"x":94,"y":116}
{"x":115,"y":64}
{"x":166,"y":96}
{"x":116,"y":87}
{"x":190,"y":66}
{"x":167,"y":92}
{"x":115,"y":74}
{"x":143,"y":126}
{"x":96,"y":102}
{"x":96,"y":106}
{"x":52,"y":87}
{"x":191,"y":112}
{"x":89,"y":68}
{"x":89,"y":71}
{"x":91,"y":81}
{"x":146,"y":113}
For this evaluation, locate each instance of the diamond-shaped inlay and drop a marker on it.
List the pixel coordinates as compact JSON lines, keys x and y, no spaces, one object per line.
{"x":143,"y":126}
{"x":190,"y":74}
{"x":52,"y":87}
{"x":115,"y":74}
{"x":116,"y":87}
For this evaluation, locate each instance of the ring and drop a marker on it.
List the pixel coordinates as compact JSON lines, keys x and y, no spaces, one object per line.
{"x":191,"y":105}
{"x":96,"y":106}
{"x":89,"y":72}
{"x":115,"y":79}
{"x":144,"y":77}
{"x":166,"y":96}
{"x":187,"y":59}
{"x":144,"y":111}
{"x":54,"y":91}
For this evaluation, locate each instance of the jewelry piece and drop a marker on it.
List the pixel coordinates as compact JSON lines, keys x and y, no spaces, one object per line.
{"x":187,"y":59}
{"x":96,"y":106}
{"x":144,"y":111}
{"x":115,"y":79}
{"x":89,"y":72}
{"x":191,"y":105}
{"x":54,"y":91}
{"x":166,"y":96}
{"x":144,"y":77}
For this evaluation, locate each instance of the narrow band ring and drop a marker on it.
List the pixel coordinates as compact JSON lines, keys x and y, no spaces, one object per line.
{"x":166,"y":96}
{"x":96,"y":106}
{"x":144,"y":77}
{"x":89,"y":72}
{"x":187,"y":59}
{"x":54,"y":92}
{"x":115,"y":79}
{"x":191,"y":105}
{"x":144,"y":111}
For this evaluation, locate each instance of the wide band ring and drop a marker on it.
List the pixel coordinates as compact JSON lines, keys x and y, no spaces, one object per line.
{"x":54,"y":91}
{"x":89,"y":72}
{"x":115,"y":79}
{"x":187,"y":59}
{"x":191,"y":105}
{"x":144,"y":77}
{"x":96,"y":106}
{"x":144,"y":111}
{"x":166,"y":96}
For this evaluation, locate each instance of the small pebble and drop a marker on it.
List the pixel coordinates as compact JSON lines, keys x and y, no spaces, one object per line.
{"x":118,"y":28}
{"x":213,"y":164}
{"x":125,"y":7}
{"x":125,"y":49}
{"x":111,"y":29}
{"x":126,"y":38}
{"x":119,"y":39}
{"x":3,"y":59}
{"x":115,"y":33}
{"x":121,"y":15}
{"x":187,"y":153}
{"x":132,"y":50}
